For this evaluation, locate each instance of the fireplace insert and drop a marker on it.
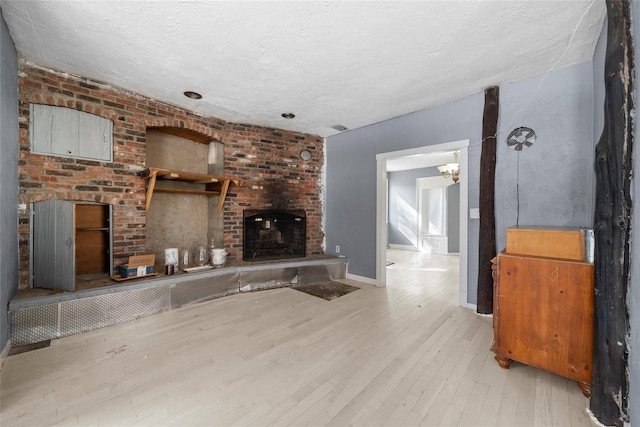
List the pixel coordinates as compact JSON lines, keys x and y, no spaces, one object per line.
{"x":274,"y":234}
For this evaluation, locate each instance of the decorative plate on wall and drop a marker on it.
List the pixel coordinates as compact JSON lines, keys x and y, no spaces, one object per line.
{"x":305,"y":155}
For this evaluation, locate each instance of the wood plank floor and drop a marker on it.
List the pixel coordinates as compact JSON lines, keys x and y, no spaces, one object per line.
{"x":404,"y":355}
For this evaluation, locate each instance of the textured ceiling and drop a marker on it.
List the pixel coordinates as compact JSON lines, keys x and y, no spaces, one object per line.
{"x":329,"y":62}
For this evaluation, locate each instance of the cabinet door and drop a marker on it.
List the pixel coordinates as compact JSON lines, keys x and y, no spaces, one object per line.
{"x":110,"y":240}
{"x":94,"y":137}
{"x":40,"y":128}
{"x":67,"y":132}
{"x":543,"y":314}
{"x":53,"y":246}
{"x":53,"y":130}
{"x":64,"y":131}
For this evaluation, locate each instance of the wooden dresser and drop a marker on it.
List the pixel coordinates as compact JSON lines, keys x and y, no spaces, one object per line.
{"x":543,"y":303}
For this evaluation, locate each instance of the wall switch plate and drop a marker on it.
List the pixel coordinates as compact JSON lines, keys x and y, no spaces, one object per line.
{"x":474,"y":213}
{"x":337,"y":249}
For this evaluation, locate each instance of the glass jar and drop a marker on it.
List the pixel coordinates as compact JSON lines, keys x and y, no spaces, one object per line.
{"x":201,"y":257}
{"x":185,"y":258}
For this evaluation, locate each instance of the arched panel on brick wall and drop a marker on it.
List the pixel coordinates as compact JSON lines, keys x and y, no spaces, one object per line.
{"x":198,"y":133}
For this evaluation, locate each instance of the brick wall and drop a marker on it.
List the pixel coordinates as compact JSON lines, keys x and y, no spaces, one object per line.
{"x":267,"y":161}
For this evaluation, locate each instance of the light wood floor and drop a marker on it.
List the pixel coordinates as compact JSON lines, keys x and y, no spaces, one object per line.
{"x":405,"y":355}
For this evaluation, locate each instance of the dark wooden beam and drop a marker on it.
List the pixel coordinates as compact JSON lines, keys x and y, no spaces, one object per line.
{"x":609,"y":382}
{"x":487,"y":249}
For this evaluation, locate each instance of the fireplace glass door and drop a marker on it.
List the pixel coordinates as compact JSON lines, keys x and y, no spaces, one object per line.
{"x":274,"y":234}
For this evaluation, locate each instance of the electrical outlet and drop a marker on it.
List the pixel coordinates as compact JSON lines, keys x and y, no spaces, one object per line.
{"x":337,"y":249}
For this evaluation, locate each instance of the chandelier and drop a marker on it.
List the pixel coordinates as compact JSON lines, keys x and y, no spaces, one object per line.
{"x":451,"y":170}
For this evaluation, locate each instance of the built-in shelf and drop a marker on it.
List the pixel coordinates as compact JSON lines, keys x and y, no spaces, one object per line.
{"x":215,"y":185}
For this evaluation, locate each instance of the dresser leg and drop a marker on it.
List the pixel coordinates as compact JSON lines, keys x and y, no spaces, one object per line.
{"x":585,"y":387}
{"x":504,"y":363}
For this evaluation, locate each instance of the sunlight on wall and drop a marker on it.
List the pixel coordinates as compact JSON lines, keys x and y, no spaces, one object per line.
{"x":435,"y":204}
{"x":407,"y":221}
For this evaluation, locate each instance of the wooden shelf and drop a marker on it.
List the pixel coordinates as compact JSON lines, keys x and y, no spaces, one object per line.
{"x":185,"y":191}
{"x":215,"y":185}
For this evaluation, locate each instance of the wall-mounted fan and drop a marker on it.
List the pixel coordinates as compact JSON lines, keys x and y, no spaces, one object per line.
{"x":521,"y":138}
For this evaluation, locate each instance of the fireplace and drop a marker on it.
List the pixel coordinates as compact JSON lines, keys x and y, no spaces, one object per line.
{"x":274,"y":234}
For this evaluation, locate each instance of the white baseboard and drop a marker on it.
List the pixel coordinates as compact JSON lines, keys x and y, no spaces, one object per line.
{"x":367,"y":280}
{"x":468,"y":305}
{"x":403,"y":247}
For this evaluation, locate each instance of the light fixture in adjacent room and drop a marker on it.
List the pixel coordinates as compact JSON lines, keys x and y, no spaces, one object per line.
{"x":288,"y":115}
{"x":192,"y":95}
{"x":451,"y":170}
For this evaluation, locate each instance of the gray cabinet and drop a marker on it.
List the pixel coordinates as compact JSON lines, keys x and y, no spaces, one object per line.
{"x":70,"y":239}
{"x":67,"y":132}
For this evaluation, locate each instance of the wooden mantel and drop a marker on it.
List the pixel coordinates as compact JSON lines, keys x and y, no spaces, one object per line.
{"x":215,"y":185}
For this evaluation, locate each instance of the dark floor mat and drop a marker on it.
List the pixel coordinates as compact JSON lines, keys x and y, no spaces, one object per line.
{"x":326,"y":290}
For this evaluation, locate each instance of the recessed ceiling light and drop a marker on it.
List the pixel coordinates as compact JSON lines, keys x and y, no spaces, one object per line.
{"x":339,"y":128}
{"x":192,"y":95}
{"x":288,"y":115}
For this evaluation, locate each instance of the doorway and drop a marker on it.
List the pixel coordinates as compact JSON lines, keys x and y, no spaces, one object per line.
{"x":382,"y":203}
{"x":438,"y":215}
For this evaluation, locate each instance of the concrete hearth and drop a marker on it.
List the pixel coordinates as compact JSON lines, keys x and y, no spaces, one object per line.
{"x":41,"y":318}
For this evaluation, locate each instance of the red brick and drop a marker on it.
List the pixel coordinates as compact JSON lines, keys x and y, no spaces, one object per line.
{"x":257,"y":156}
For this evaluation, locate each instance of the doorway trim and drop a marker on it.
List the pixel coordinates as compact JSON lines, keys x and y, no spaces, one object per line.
{"x":381,"y":203}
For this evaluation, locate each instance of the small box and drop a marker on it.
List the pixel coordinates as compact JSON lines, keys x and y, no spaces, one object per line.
{"x":126,"y":271}
{"x":139,"y":265}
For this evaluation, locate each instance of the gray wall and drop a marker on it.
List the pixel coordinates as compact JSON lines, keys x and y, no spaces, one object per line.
{"x":351,"y":175}
{"x":402,"y":185}
{"x":453,"y":218}
{"x":8,"y":177}
{"x":634,"y":282}
{"x":556,"y":183}
{"x":556,"y":175}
